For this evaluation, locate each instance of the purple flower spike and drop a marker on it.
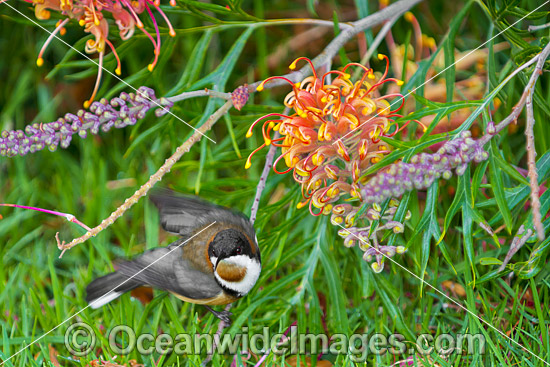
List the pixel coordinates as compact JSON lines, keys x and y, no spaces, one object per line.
{"x":119,"y":112}
{"x":424,"y":169}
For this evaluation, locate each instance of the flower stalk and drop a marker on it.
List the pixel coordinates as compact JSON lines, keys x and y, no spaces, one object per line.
{"x":119,"y":112}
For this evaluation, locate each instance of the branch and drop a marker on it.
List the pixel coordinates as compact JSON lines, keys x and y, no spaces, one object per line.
{"x":540,"y":59}
{"x":69,"y":217}
{"x":519,"y":240}
{"x":532,"y":28}
{"x":533,"y":175}
{"x":199,"y":93}
{"x":527,"y":99}
{"x":263,"y":178}
{"x":377,"y":40}
{"x":142,"y":191}
{"x":395,"y":10}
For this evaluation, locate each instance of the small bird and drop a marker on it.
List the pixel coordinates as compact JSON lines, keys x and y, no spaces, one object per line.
{"x":215,"y":262}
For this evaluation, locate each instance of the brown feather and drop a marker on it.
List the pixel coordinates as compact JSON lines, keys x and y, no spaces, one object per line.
{"x":230,"y":272}
{"x":221,"y":299}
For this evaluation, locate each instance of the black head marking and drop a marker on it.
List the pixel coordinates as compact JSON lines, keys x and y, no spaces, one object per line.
{"x":229,"y":242}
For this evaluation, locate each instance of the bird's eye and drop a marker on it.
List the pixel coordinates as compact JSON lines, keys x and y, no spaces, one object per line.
{"x":214,"y":253}
{"x":239,"y":250}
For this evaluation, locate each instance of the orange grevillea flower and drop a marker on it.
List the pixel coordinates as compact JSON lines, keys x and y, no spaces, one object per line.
{"x":331,"y":139}
{"x":333,"y":135}
{"x":90,"y":16}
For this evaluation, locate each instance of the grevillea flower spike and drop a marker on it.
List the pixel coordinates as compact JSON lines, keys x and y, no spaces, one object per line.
{"x":102,"y":115}
{"x":332,"y":138}
{"x":90,"y":16}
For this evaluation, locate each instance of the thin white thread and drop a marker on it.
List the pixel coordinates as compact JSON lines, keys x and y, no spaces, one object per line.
{"x":454,"y":63}
{"x":108,"y":71}
{"x":111,"y":291}
{"x":444,"y":295}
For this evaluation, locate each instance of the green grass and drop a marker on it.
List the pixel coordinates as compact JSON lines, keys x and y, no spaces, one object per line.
{"x":308,"y":276}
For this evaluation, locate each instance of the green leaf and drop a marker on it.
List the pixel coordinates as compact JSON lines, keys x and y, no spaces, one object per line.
{"x":195,"y":63}
{"x":536,"y":261}
{"x":498,"y":187}
{"x":220,"y":75}
{"x":427,"y":217}
{"x":392,"y":307}
{"x":490,"y":261}
{"x":337,"y":298}
{"x":449,"y":50}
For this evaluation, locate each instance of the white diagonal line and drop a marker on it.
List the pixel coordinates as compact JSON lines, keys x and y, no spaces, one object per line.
{"x":446,"y":296}
{"x":106,"y":70}
{"x":106,"y":294}
{"x":454,"y":63}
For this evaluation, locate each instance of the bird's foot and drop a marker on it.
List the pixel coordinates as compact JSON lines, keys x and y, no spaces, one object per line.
{"x":224,"y":316}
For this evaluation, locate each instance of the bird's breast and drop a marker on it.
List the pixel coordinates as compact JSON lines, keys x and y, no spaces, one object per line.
{"x":221,"y":299}
{"x":230,"y":272}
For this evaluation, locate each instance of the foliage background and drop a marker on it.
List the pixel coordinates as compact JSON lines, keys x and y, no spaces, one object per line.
{"x":308,"y":276}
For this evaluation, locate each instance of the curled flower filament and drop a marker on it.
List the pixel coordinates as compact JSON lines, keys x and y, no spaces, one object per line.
{"x":90,"y":16}
{"x":332,"y":137}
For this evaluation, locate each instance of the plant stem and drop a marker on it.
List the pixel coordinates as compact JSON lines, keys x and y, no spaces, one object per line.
{"x":394,"y":10}
{"x":200,"y":93}
{"x":142,"y":191}
{"x":532,"y":166}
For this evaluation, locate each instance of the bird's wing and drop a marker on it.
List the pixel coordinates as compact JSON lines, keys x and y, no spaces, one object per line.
{"x":165,"y":268}
{"x":183,"y":215}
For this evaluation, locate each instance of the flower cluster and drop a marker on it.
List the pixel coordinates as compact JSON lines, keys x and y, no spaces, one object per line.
{"x":118,"y":112}
{"x":366,"y":237}
{"x":90,"y":16}
{"x":240,"y":96}
{"x":424,"y":169}
{"x":333,"y":136}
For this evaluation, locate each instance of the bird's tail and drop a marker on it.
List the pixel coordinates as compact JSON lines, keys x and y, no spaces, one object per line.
{"x":107,"y":288}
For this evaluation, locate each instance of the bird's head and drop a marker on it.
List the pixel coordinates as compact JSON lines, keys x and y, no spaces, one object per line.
{"x":236,"y":261}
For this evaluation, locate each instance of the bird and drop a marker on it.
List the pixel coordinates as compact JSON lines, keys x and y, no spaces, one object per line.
{"x":215,"y":261}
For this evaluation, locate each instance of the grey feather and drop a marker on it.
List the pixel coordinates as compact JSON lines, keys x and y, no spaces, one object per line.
{"x":183,"y":214}
{"x":171,"y":273}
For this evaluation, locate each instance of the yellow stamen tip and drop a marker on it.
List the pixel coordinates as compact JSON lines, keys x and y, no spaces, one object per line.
{"x":260,"y":87}
{"x":150,"y":67}
{"x":267,"y":142}
{"x":293,"y":65}
{"x":87,"y":104}
{"x":301,"y":205}
{"x":409,"y":16}
{"x":248,"y":133}
{"x":380,"y":57}
{"x":81,"y":22}
{"x":118,"y":71}
{"x":39,"y":62}
{"x":172,"y":33}
{"x":400,"y":82}
{"x":248,"y":164}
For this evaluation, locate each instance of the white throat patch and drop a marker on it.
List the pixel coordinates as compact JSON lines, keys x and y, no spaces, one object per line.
{"x":253,"y":270}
